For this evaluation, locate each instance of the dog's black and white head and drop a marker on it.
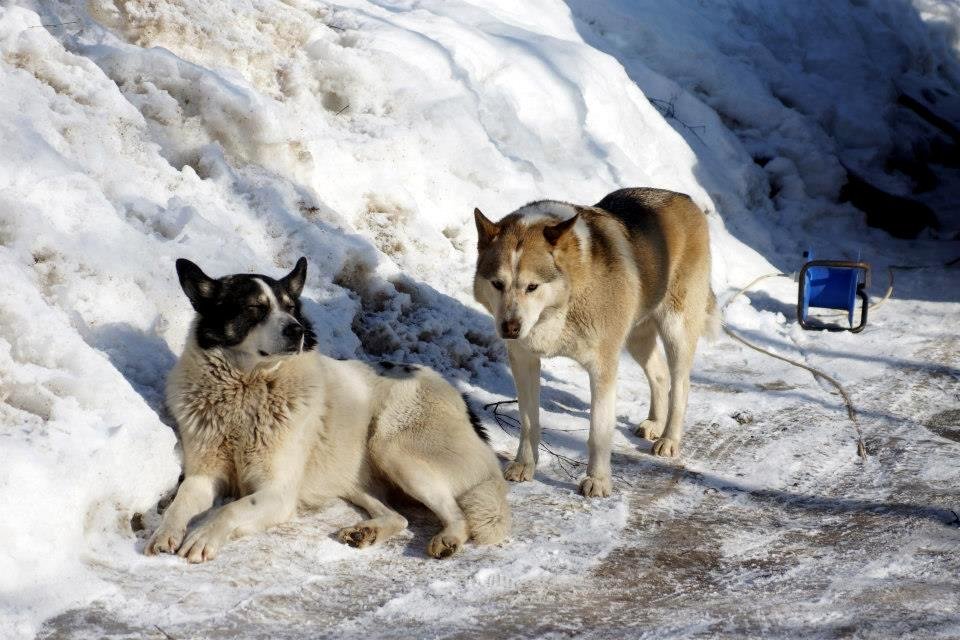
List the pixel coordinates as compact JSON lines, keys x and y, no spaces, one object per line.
{"x":252,"y":316}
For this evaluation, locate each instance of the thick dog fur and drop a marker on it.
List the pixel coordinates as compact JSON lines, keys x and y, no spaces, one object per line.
{"x":585,"y":282}
{"x":273,"y":424}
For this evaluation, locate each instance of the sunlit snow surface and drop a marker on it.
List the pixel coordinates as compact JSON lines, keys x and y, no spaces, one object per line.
{"x":362,"y":134}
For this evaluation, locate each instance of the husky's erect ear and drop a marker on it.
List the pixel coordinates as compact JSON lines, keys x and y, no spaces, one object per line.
{"x":199,"y":287}
{"x":486,"y":230}
{"x":556,"y":232}
{"x":293,"y":281}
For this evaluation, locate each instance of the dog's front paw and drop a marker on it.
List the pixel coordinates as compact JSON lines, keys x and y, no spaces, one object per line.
{"x":202,"y":544}
{"x":666,"y":447}
{"x":596,"y":486}
{"x":519,"y":471}
{"x":358,"y":536}
{"x":444,"y":545}
{"x":164,"y":540}
{"x":649,"y":429}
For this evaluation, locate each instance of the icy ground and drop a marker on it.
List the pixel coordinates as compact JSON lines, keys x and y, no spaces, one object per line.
{"x":771,"y":528}
{"x":362,"y":134}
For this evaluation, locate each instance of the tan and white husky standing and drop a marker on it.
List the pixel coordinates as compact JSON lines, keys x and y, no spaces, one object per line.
{"x":267,"y":420}
{"x":583,"y":282}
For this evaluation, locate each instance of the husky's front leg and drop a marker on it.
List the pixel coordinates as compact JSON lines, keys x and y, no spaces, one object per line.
{"x":526,"y":375}
{"x":603,"y":399}
{"x":195,"y":495}
{"x":258,"y":511}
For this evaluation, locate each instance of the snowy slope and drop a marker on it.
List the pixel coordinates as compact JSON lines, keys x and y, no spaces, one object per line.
{"x":789,"y":94}
{"x":362,"y":134}
{"x":359,"y":136}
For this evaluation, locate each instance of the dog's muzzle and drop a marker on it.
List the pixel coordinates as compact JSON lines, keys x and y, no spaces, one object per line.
{"x":510,"y":329}
{"x":293,"y":335}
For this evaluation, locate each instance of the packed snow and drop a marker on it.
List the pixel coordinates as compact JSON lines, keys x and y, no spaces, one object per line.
{"x":362,"y":134}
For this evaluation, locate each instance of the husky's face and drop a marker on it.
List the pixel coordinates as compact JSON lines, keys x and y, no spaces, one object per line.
{"x":252,"y":316}
{"x":518,"y":278}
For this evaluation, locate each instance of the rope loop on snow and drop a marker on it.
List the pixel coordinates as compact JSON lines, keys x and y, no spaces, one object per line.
{"x":817,"y":373}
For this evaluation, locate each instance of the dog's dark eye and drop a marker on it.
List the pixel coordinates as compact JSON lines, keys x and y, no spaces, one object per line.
{"x":498,"y":285}
{"x":258,"y":308}
{"x":532,"y":287}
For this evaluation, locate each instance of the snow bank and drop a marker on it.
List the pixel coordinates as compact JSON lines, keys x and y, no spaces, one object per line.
{"x":242,"y":136}
{"x":777,"y":98}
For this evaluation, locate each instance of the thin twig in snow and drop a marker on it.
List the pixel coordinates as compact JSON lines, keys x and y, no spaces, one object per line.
{"x":668,"y":109}
{"x":568,"y":465}
{"x":58,"y":24}
{"x":165,"y":634}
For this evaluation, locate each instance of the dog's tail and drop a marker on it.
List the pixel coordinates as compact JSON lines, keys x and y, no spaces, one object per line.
{"x":711,"y":328}
{"x":487,"y":511}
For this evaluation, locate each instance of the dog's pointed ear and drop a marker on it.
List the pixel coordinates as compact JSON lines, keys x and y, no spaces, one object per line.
{"x":554,"y":233}
{"x":486,"y":230}
{"x":293,"y":281}
{"x":199,"y":287}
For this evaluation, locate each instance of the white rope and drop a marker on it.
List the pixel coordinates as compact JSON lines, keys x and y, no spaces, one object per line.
{"x":817,"y":373}
{"x":875,"y":305}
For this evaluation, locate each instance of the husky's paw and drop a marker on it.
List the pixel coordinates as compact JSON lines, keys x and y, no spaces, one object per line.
{"x":202,"y":544}
{"x":519,"y":471}
{"x":444,"y":545}
{"x":649,"y":429}
{"x":358,"y":536}
{"x":666,"y":447}
{"x":596,"y":486}
{"x":164,"y":540}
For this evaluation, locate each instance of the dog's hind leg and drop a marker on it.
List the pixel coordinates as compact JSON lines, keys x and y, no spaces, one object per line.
{"x":420,"y":481}
{"x":526,"y":375}
{"x":642,"y":345}
{"x":384,"y":522}
{"x":680,"y":335}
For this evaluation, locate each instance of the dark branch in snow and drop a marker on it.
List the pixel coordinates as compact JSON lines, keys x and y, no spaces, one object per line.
{"x":668,"y":109}
{"x":569,"y":466}
{"x":55,"y":24}
{"x":927,"y":114}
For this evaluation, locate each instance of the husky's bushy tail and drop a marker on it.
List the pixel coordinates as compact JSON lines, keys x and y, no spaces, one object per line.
{"x":487,"y":511}
{"x":712,"y":326}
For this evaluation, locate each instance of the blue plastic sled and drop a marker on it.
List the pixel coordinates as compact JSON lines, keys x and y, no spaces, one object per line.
{"x":833,"y":284}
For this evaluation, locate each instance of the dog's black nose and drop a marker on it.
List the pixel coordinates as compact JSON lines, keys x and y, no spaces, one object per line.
{"x":510,"y":328}
{"x":294,"y":331}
